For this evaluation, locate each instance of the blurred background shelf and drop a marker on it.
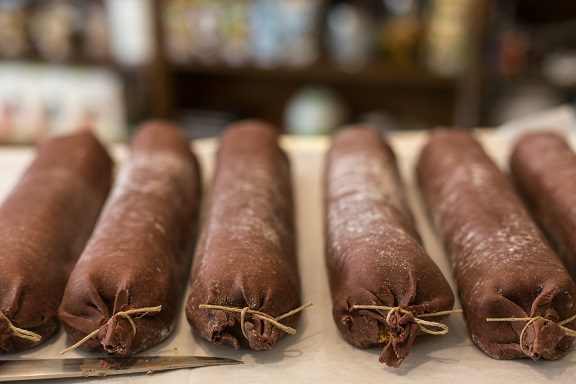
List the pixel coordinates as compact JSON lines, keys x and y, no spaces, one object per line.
{"x":375,"y":74}
{"x":305,"y":65}
{"x":266,"y":93}
{"x":396,"y":64}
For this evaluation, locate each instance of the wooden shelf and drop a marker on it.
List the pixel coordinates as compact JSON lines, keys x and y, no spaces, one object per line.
{"x":69,"y":62}
{"x":376,"y":74}
{"x":264,"y":93}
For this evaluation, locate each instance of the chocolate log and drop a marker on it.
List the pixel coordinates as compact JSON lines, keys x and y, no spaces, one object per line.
{"x":246,"y":251}
{"x":139,"y":255}
{"x":515,"y":293}
{"x":44,"y":224}
{"x":544,"y":168}
{"x":373,"y":251}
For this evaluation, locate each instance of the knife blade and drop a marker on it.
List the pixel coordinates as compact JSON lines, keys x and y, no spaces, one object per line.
{"x":40,"y":369}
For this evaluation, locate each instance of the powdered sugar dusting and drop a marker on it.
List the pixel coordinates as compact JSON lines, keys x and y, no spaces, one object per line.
{"x":249,"y":210}
{"x":366,"y":202}
{"x":254,"y":181}
{"x":544,"y":168}
{"x":485,"y":224}
{"x":161,"y":166}
{"x":147,"y":177}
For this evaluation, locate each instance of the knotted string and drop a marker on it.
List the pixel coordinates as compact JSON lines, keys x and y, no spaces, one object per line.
{"x":424,"y":324}
{"x":125,"y":314}
{"x":19,"y":332}
{"x":260,"y":315}
{"x":530,"y":320}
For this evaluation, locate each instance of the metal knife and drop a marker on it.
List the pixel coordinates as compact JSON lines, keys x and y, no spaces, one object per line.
{"x":37,"y":369}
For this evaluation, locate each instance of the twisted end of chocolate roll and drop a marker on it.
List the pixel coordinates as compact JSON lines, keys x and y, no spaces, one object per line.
{"x":393,"y":328}
{"x":219,"y":326}
{"x":116,"y":324}
{"x":506,"y":325}
{"x":113,"y":336}
{"x":401,"y":331}
{"x":116,"y":336}
{"x":98,"y":325}
{"x":541,"y":339}
{"x":367,"y":328}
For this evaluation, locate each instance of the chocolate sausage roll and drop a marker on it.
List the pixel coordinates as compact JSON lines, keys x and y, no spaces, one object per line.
{"x":517,"y":297}
{"x":544,"y":169}
{"x":44,"y":224}
{"x":125,"y":290}
{"x":246,"y":251}
{"x":373,"y":251}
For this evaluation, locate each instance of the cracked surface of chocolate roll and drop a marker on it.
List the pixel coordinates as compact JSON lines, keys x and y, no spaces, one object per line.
{"x":246,"y":250}
{"x":140,"y":252}
{"x":502,"y":264}
{"x":44,"y":224}
{"x":544,"y":169}
{"x":374,"y":253}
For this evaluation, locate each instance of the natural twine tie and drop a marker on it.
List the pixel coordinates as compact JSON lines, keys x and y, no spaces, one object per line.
{"x":125,"y":314}
{"x":530,"y":320}
{"x":260,"y":315}
{"x":19,"y":332}
{"x":424,"y":324}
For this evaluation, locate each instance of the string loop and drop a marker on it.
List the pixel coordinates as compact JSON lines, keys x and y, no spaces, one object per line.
{"x":19,"y":332}
{"x":425,"y":325}
{"x":260,"y":315}
{"x":530,"y":320}
{"x":124,"y":314}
